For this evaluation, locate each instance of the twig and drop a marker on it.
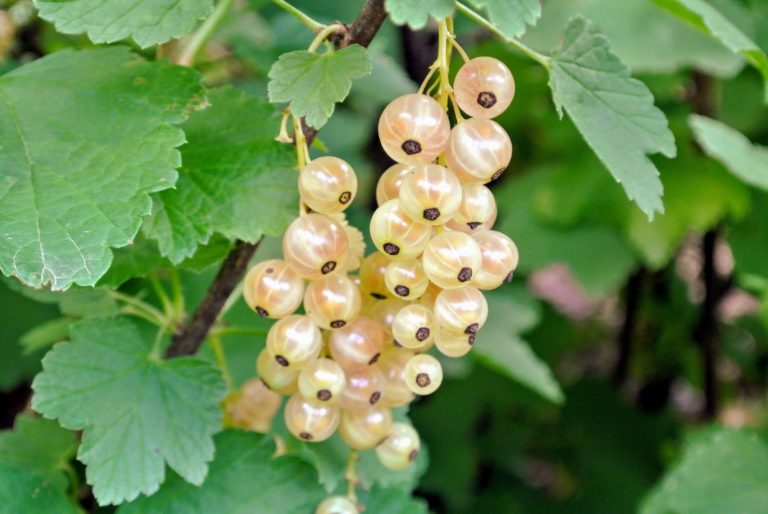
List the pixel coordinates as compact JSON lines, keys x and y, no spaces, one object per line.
{"x":627,"y":333}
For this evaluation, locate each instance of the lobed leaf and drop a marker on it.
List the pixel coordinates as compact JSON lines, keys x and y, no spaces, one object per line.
{"x":511,"y":16}
{"x":416,"y":14}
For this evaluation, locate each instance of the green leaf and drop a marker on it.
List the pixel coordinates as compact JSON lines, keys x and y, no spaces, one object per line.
{"x":244,"y":479}
{"x":709,"y":19}
{"x":613,"y":111}
{"x":87,"y":136}
{"x":25,"y":493}
{"x":137,"y":412}
{"x":511,"y":16}
{"x":512,"y":311}
{"x":148,"y":22}
{"x":391,"y":501}
{"x":747,"y":161}
{"x":721,"y":470}
{"x":236,"y":180}
{"x":416,"y":14}
{"x":314,"y":83}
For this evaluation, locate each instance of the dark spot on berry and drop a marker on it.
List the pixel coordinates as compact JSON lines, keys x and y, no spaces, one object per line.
{"x":374,"y":359}
{"x":431,"y":214}
{"x":328,"y":267}
{"x":498,"y":173}
{"x":471,"y":339}
{"x":411,"y":147}
{"x":472,"y":329}
{"x":508,"y":278}
{"x":391,"y":249}
{"x":473,"y":224}
{"x":412,"y":456}
{"x":306,"y":436}
{"x":281,"y":360}
{"x":422,"y":334}
{"x":338,"y":323}
{"x":345,"y":197}
{"x":324,"y":395}
{"x":378,"y":296}
{"x":465,"y":274}
{"x":270,"y":270}
{"x":375,"y":397}
{"x":265,"y":384}
{"x":423,"y":380}
{"x":396,"y":343}
{"x":402,"y":290}
{"x":262,"y":312}
{"x":486,"y":99}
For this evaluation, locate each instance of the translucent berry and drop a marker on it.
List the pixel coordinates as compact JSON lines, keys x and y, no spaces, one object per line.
{"x":429,"y":296}
{"x":365,"y":388}
{"x":451,"y":259}
{"x":384,"y":313}
{"x":273,"y":289}
{"x":277,"y":378}
{"x":357,"y":344}
{"x":362,"y":430}
{"x":392,"y":365}
{"x":413,"y":326}
{"x":423,"y":374}
{"x":294,"y":341}
{"x":337,"y":505}
{"x":430,"y":194}
{"x":388,"y":186}
{"x":484,"y":87}
{"x":372,"y":273}
{"x":413,"y":128}
{"x":406,"y":279}
{"x":395,"y":234}
{"x":454,"y":345}
{"x":479,"y":151}
{"x":327,"y":184}
{"x":477,"y":210}
{"x":463,"y":310}
{"x":500,"y":258}
{"x":311,"y":421}
{"x":315,"y":245}
{"x":332,"y":301}
{"x":322,"y":380}
{"x":252,"y":407}
{"x":400,"y":448}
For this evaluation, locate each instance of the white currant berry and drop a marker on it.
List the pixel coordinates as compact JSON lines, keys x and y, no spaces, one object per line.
{"x":392,"y":365}
{"x":332,"y":301}
{"x":414,"y":129}
{"x":327,"y":184}
{"x":423,"y":374}
{"x":429,"y":296}
{"x":372,"y":273}
{"x":322,"y":380}
{"x":396,"y":234}
{"x":479,"y":151}
{"x":273,"y":289}
{"x":384,"y":313}
{"x":500,"y":258}
{"x":451,"y":259}
{"x":413,"y":326}
{"x":477,"y":210}
{"x":294,"y":341}
{"x":252,"y":407}
{"x":364,"y":389}
{"x":484,"y":87}
{"x":388,"y":186}
{"x":337,"y":505}
{"x":362,"y":430}
{"x":462,"y":310}
{"x":277,"y":378}
{"x":315,"y":245}
{"x":430,"y":194}
{"x":311,"y":421}
{"x":454,"y":345}
{"x":401,"y":447}
{"x":357,"y":344}
{"x":406,"y":279}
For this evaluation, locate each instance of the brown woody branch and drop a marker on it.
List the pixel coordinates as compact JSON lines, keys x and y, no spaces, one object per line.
{"x":188,"y":338}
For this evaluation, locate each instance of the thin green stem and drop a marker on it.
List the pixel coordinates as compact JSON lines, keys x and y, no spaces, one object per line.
{"x":480,"y":20}
{"x":221,"y":361}
{"x":177,"y":292}
{"x":157,"y":354}
{"x":204,"y":33}
{"x":323,"y":35}
{"x":302,"y":16}
{"x":148,"y":309}
{"x":133,"y":311}
{"x":162,"y":295}
{"x":224,"y":331}
{"x":74,"y":481}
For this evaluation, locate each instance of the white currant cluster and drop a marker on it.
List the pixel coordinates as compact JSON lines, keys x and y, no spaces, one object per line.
{"x":361,"y":347}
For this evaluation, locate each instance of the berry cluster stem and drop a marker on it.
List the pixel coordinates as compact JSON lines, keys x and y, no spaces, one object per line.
{"x":351,"y":475}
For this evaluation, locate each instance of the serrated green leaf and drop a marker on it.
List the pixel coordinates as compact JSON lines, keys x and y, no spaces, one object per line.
{"x":26,"y":493}
{"x":747,"y":161}
{"x":613,"y":111}
{"x":236,"y":180}
{"x":86,"y":136}
{"x":499,"y":346}
{"x":314,"y":83}
{"x":709,"y":19}
{"x":391,"y":501}
{"x":416,"y":14}
{"x":721,"y":470}
{"x":137,"y":412}
{"x":244,"y":479}
{"x":511,"y":16}
{"x":148,"y":22}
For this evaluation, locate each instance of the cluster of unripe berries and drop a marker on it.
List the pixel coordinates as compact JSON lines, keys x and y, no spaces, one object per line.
{"x":361,"y":347}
